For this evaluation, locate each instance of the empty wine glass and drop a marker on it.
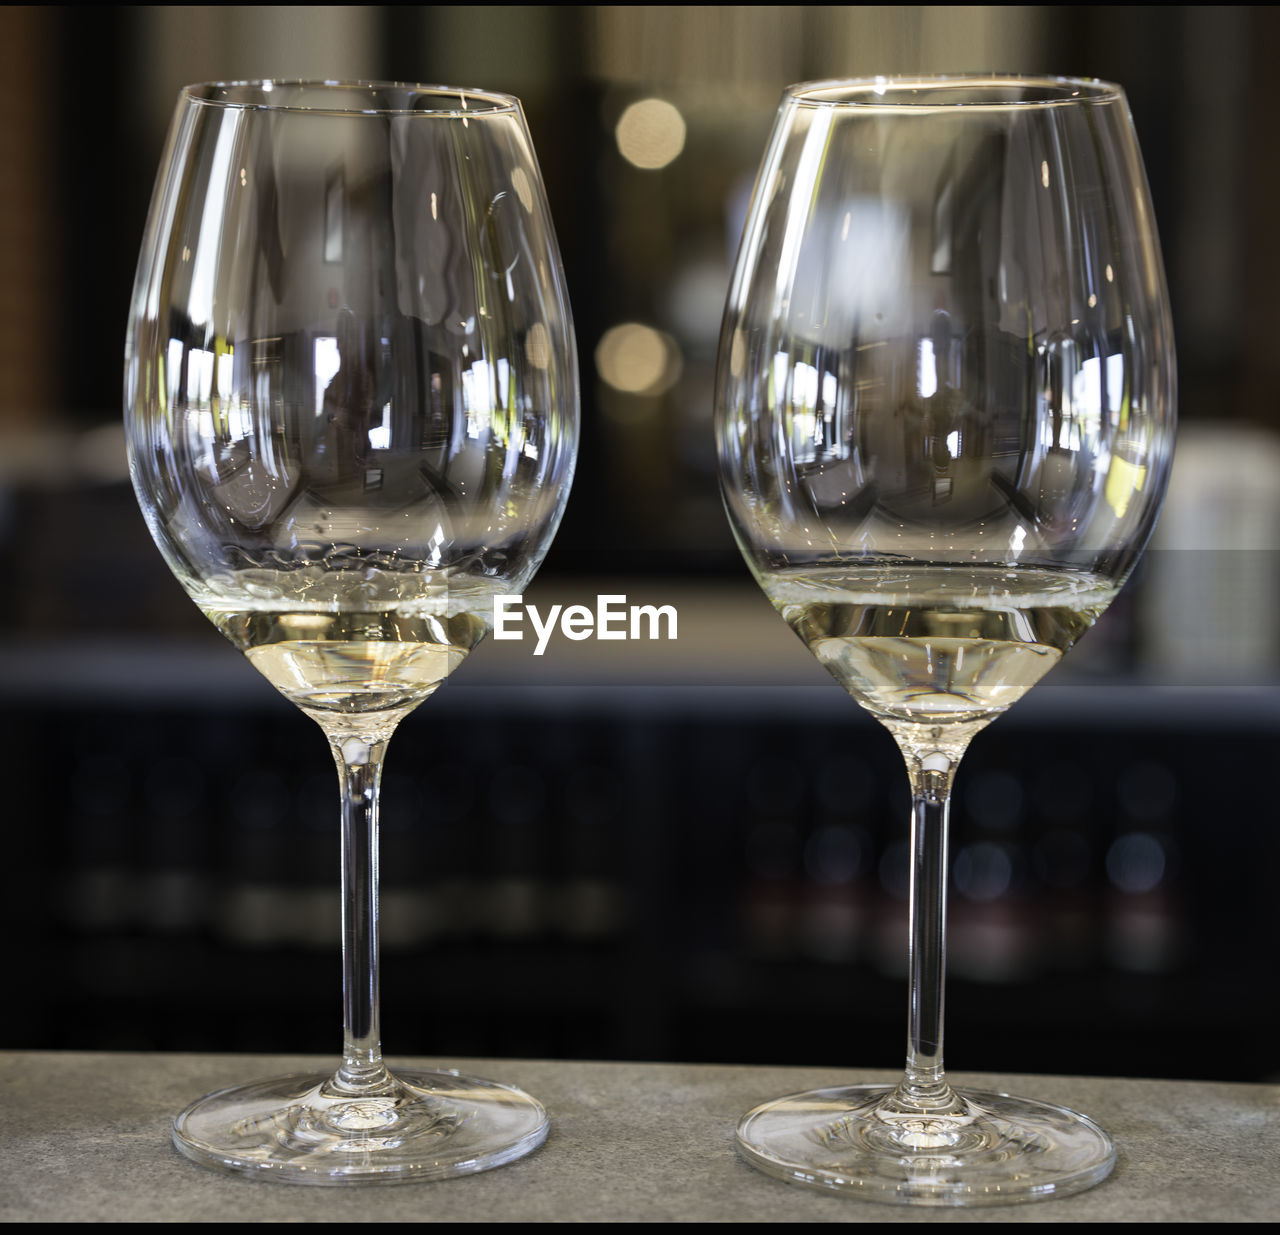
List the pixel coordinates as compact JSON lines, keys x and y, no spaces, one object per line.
{"x":945,"y":419}
{"x":351,"y":401}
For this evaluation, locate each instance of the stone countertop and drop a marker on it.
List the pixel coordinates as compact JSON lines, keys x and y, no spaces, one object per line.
{"x":85,"y":1137}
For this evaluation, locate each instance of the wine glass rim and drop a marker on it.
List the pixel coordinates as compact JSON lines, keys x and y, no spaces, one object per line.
{"x":919,"y":92}
{"x":282,"y":94}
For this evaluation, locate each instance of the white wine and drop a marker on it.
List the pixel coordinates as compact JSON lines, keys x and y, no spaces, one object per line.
{"x":350,"y":663}
{"x":939,"y":645}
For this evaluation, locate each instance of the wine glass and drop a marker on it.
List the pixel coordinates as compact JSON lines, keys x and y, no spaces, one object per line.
{"x":945,"y":420}
{"x":351,"y":402}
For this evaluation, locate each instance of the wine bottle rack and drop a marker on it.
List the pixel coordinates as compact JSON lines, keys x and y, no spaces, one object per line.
{"x":666,"y":873}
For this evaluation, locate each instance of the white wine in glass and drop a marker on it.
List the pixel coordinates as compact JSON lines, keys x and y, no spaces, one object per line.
{"x":945,"y":422}
{"x":351,"y":403}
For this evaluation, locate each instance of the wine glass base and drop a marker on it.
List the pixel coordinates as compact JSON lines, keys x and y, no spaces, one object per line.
{"x":1002,"y":1150}
{"x":422,"y":1125}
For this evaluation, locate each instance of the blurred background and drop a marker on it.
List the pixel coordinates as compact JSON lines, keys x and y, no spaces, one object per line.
{"x":680,"y":851}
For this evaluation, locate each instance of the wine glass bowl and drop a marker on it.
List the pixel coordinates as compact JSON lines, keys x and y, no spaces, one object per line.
{"x":351,"y":404}
{"x":944,"y":419}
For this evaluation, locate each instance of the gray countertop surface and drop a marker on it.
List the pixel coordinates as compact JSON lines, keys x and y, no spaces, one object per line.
{"x":85,"y":1137}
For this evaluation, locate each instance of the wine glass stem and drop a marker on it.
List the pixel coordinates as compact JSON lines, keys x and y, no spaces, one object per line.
{"x":359,"y":760}
{"x":931,"y":777}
